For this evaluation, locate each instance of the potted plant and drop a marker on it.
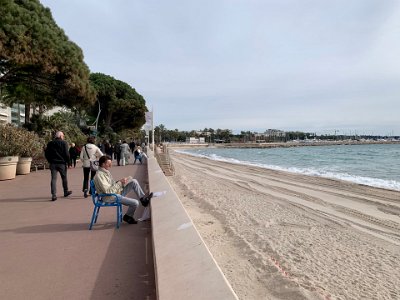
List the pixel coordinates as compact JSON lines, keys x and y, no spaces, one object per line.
{"x":29,"y":146}
{"x":8,"y":151}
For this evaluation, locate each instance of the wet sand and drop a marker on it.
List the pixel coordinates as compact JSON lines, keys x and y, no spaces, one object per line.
{"x":279,"y":235}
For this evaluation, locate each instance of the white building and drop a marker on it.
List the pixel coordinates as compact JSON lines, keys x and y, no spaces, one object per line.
{"x":14,"y":115}
{"x":193,"y":140}
{"x":274,"y":133}
{"x":5,"y":114}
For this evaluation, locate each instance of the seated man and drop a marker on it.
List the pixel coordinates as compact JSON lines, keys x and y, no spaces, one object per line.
{"x":138,"y":155}
{"x":105,"y":184}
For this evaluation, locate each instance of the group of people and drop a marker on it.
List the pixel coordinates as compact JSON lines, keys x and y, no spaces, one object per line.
{"x":123,"y":152}
{"x":59,"y":157}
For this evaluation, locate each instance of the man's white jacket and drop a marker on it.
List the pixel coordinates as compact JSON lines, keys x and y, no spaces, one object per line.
{"x":105,"y":184}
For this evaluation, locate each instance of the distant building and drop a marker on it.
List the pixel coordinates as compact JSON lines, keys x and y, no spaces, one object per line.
{"x":192,"y":140}
{"x":203,"y":136}
{"x":274,"y":133}
{"x":5,"y":114}
{"x":18,"y":114}
{"x":14,"y":115}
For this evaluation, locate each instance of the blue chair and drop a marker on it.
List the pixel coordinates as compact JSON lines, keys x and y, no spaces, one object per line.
{"x":98,"y":202}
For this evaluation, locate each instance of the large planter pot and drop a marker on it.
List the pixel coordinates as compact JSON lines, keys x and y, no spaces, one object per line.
{"x":8,"y":167}
{"x":24,"y":165}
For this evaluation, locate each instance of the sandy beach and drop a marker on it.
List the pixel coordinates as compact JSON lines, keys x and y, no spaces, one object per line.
{"x":278,"y":235}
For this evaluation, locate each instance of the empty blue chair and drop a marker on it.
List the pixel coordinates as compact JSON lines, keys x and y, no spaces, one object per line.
{"x":98,"y":202}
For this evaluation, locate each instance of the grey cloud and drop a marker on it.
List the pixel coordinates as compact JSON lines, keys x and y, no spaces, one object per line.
{"x":311,"y":65}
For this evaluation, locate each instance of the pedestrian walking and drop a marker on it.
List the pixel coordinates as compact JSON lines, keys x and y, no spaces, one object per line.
{"x":117,"y":151}
{"x":124,"y":153}
{"x":57,"y":155}
{"x":132,"y":145}
{"x":73,"y":155}
{"x":108,"y":148}
{"x":90,"y":152}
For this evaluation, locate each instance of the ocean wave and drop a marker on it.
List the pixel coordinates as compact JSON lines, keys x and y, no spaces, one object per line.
{"x":369,"y":181}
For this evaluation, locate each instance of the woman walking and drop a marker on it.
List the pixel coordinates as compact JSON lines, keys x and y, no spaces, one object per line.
{"x":89,"y":152}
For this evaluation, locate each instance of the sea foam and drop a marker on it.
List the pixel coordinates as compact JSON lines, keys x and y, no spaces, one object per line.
{"x":369,"y":181}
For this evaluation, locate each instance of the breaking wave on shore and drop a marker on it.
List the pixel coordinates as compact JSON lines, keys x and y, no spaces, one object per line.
{"x":358,"y":167}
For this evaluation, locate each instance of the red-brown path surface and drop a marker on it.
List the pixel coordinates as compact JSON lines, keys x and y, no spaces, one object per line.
{"x":47,"y":251}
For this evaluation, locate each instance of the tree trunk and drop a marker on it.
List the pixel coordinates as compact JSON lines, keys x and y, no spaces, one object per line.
{"x":27,"y":113}
{"x":107,"y":119}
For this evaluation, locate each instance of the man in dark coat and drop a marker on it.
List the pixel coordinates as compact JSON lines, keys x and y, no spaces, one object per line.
{"x":117,"y":151}
{"x":108,"y":149}
{"x":132,"y":146}
{"x":58,"y":157}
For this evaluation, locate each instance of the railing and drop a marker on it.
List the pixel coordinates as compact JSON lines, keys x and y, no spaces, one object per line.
{"x":163,"y":159}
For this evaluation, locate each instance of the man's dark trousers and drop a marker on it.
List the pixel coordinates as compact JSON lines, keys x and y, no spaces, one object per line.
{"x":62,"y":169}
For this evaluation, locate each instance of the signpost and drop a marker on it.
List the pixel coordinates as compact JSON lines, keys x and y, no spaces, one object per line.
{"x":149,"y":125}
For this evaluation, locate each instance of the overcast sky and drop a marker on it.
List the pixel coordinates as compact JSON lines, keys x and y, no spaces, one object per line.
{"x":308,"y":65}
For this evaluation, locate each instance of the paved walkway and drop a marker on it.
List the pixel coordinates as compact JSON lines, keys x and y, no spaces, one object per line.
{"x":47,"y":251}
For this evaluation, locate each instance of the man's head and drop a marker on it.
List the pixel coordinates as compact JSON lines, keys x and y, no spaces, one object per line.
{"x":105,"y":162}
{"x":59,"y":135}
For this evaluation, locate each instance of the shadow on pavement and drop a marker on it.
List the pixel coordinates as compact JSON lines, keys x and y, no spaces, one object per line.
{"x":20,"y":199}
{"x":50,"y":228}
{"x":130,"y":257}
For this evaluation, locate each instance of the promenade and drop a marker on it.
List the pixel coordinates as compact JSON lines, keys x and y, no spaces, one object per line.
{"x":47,"y":251}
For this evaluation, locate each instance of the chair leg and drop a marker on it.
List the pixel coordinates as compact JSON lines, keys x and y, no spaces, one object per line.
{"x":94,"y":217}
{"x":119,"y":215}
{"x":97,"y":213}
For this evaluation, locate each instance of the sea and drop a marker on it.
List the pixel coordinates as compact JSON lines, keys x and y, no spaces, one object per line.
{"x":376,"y":165}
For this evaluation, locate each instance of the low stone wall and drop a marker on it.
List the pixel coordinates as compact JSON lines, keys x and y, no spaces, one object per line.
{"x":184,"y":267}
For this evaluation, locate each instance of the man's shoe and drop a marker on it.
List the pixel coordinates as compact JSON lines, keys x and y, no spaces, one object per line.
{"x":67,"y":193}
{"x":146,"y":200}
{"x":85,"y":193}
{"x":129,"y":219}
{"x":53,"y":198}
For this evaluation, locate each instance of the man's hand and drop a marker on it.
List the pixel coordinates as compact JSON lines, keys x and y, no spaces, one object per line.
{"x":123,"y":181}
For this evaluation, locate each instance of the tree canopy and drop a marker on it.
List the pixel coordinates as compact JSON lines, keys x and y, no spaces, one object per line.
{"x":121,"y":106}
{"x":38,"y":62}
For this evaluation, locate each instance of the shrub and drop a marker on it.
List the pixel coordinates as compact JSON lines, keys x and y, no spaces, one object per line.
{"x":8,"y":135}
{"x":30,"y":145}
{"x":19,"y":141}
